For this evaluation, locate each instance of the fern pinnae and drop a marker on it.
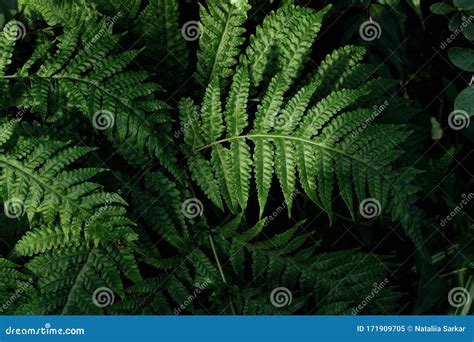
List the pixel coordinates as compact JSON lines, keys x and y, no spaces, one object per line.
{"x":285,"y":164}
{"x":254,"y":124}
{"x":94,"y":81}
{"x":297,"y":137}
{"x":291,"y":259}
{"x":203,"y":174}
{"x":236,"y":119}
{"x":158,"y":25}
{"x":220,"y":39}
{"x":263,"y":167}
{"x":211,"y":113}
{"x":220,"y":161}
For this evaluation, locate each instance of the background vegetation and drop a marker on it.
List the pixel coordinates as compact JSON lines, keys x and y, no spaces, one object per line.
{"x":236,"y":157}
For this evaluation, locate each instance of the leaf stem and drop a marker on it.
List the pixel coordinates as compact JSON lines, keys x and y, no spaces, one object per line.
{"x":221,"y":271}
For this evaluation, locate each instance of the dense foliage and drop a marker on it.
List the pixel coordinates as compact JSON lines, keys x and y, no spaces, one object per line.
{"x":236,"y":157}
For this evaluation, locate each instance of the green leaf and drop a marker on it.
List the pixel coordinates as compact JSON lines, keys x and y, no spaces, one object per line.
{"x":464,"y":4}
{"x":465,"y":100}
{"x":442,"y":8}
{"x":468,"y":30}
{"x":455,"y":22}
{"x":463,"y":58}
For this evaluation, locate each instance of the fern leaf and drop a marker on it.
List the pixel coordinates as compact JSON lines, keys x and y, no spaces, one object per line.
{"x":93,"y":81}
{"x":305,"y":138}
{"x":157,"y":25}
{"x":220,"y":39}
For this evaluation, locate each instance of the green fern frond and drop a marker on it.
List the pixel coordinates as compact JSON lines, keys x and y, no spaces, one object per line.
{"x":16,"y":287}
{"x":291,"y":260}
{"x":220,"y":39}
{"x":63,"y":205}
{"x":81,"y":71}
{"x":314,"y":136}
{"x":59,"y":12}
{"x":159,"y":203}
{"x":68,"y":279}
{"x":157,"y":25}
{"x":74,"y":224}
{"x":127,"y":11}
